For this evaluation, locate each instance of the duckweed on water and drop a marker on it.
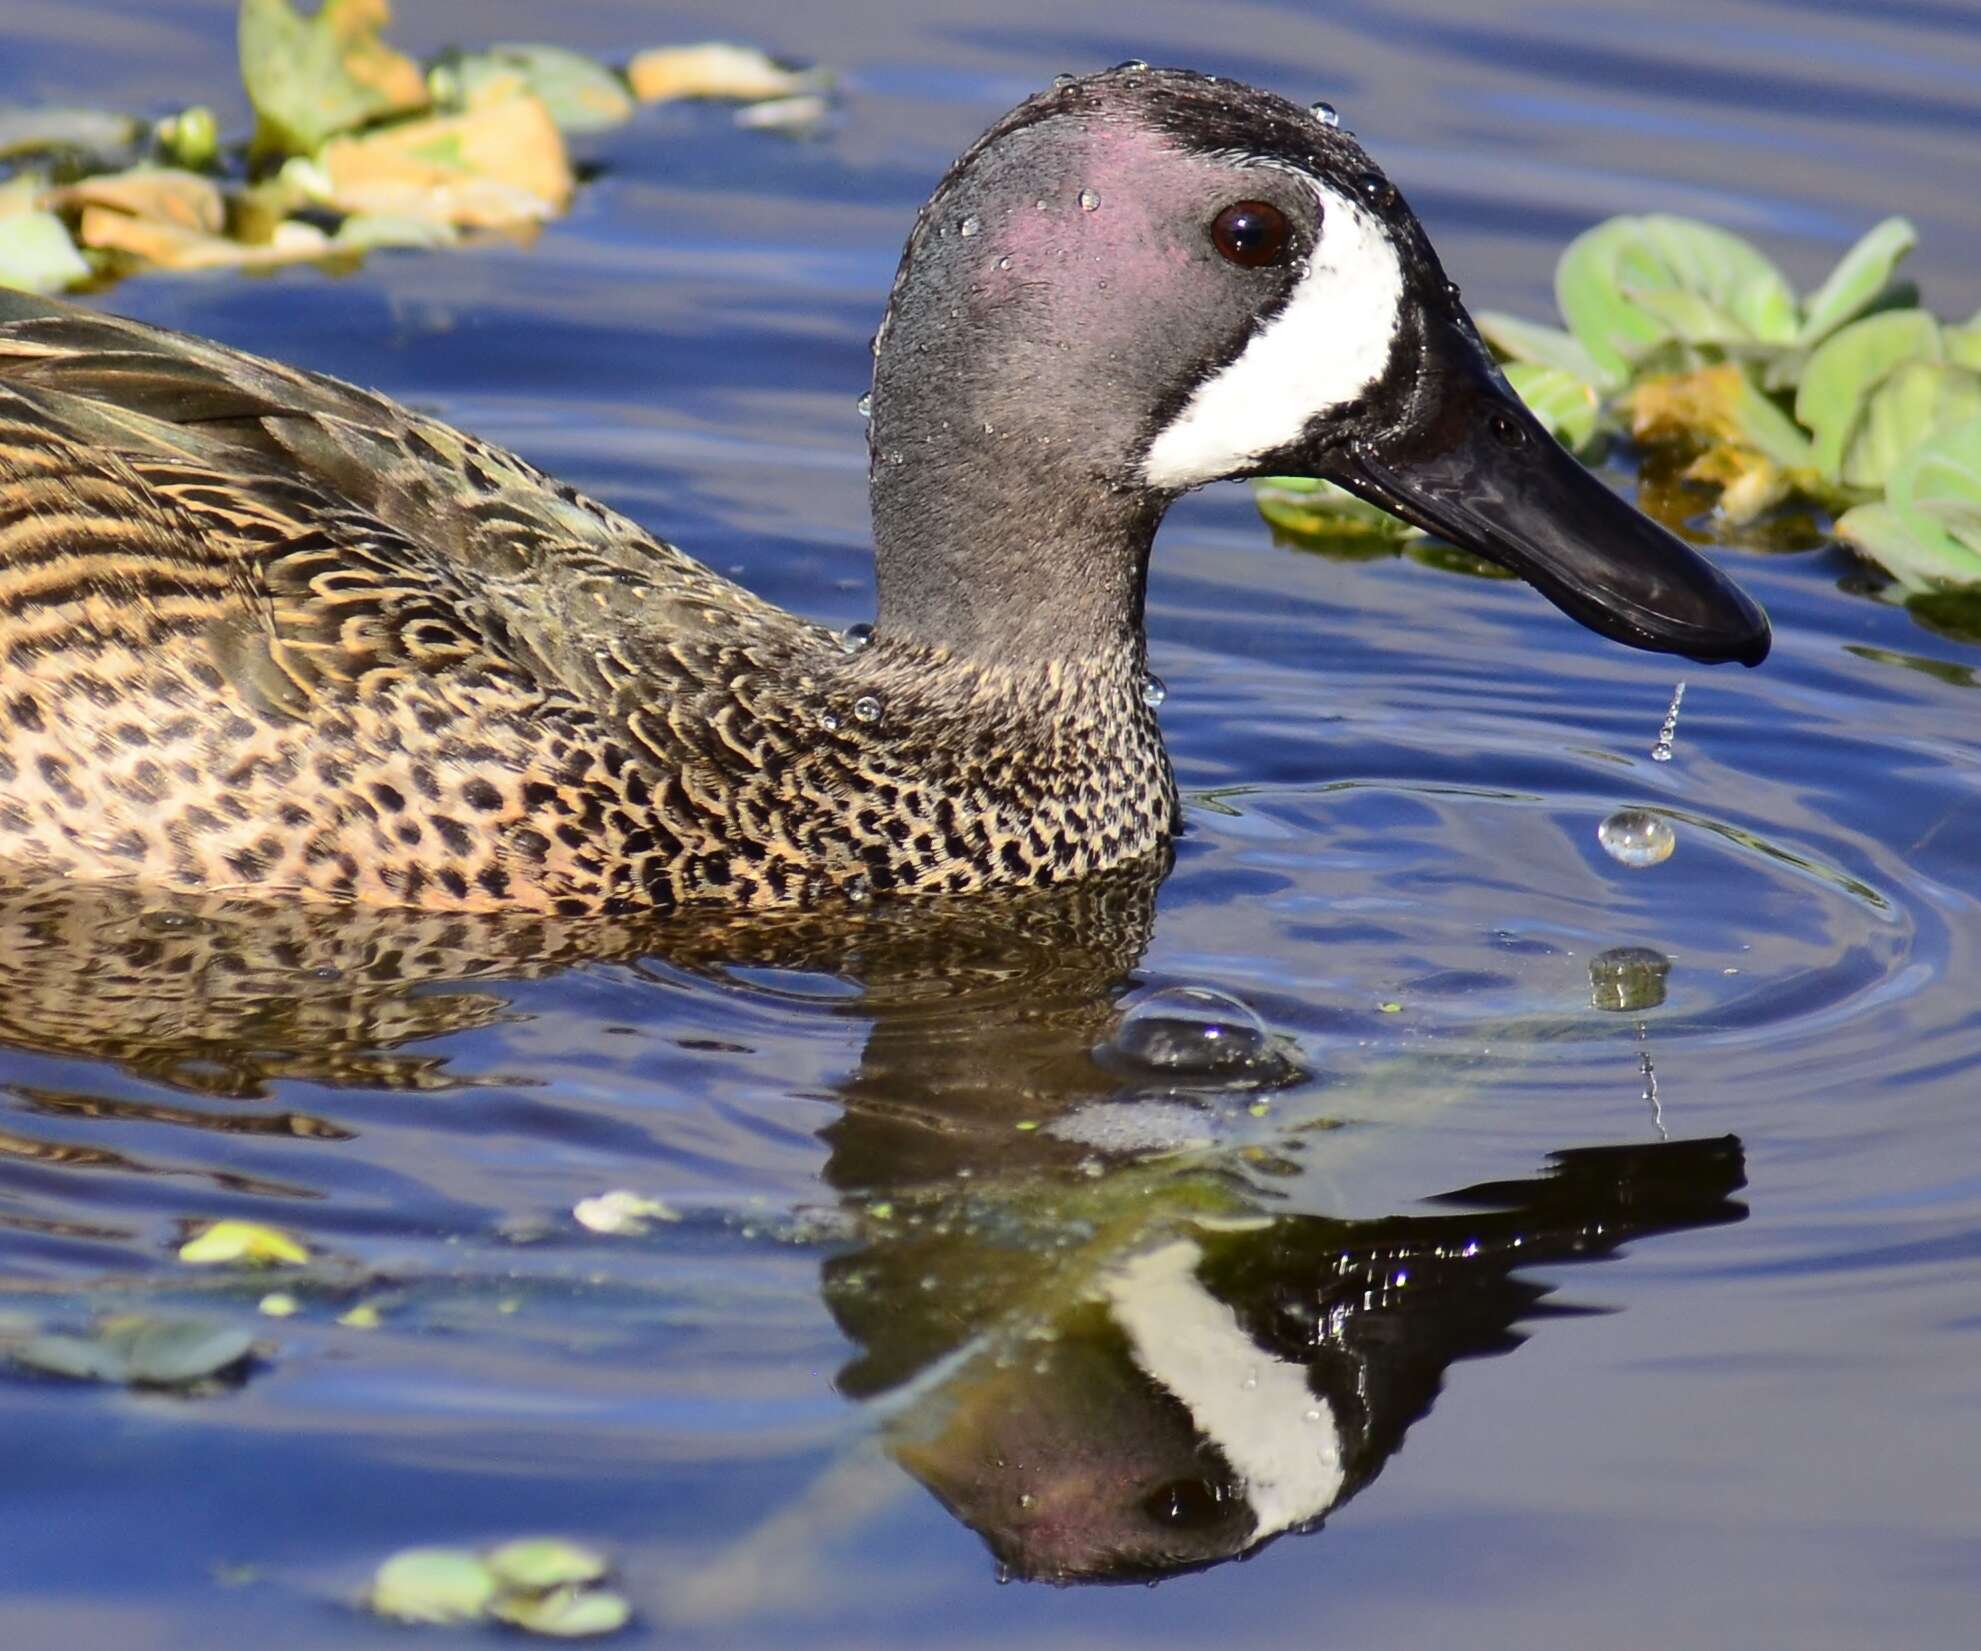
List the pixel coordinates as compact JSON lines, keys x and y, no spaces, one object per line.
{"x":1688,"y":339}
{"x":543,"y":1585}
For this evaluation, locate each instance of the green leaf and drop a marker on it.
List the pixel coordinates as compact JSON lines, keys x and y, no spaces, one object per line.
{"x":1918,"y":560}
{"x":1963,"y":343}
{"x":433,"y":1585}
{"x":1311,"y":510}
{"x":36,"y":254}
{"x":1936,"y":491}
{"x":140,"y":1351}
{"x":224,"y":1243}
{"x":1632,"y":284}
{"x":1860,"y":275}
{"x":1847,"y":367}
{"x":81,"y":1358}
{"x":1566,"y":404}
{"x":1912,"y":403}
{"x":311,"y":78}
{"x":1520,"y":340}
{"x":566,"y":1613}
{"x":535,"y":1564}
{"x":582,"y":94}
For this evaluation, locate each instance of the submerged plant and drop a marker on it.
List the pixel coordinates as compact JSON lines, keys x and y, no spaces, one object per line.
{"x":1685,"y":337}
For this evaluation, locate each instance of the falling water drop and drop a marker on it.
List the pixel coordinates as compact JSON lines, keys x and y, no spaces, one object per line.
{"x":1089,"y":201}
{"x":1154,"y":690}
{"x":855,"y":637}
{"x":1661,"y":752}
{"x":1324,"y":113}
{"x":971,"y":225}
{"x":1637,"y":838}
{"x":867,"y":708}
{"x":866,"y":405}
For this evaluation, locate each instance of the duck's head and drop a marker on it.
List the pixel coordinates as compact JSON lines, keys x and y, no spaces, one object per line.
{"x":1145,"y":280}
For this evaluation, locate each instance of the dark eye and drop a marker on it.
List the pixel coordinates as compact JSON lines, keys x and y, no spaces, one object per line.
{"x":1250,"y":234}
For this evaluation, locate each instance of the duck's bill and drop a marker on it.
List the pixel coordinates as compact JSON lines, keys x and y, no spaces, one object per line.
{"x":1477,"y":469}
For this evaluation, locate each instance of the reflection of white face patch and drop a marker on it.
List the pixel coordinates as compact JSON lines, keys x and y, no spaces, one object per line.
{"x":1328,"y":345}
{"x":1254,"y":1406}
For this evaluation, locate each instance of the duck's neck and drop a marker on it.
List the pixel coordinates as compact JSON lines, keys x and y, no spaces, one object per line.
{"x":996,"y":548}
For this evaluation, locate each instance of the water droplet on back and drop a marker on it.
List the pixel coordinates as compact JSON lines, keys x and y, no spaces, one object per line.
{"x":1154,"y":690}
{"x":1188,"y":1032}
{"x":867,"y":708}
{"x":866,"y":405}
{"x":1089,"y":201}
{"x":1129,"y":64}
{"x":855,"y":637}
{"x":1637,"y":838}
{"x":828,"y":721}
{"x":1004,"y":263}
{"x":971,"y":225}
{"x":1324,"y":113}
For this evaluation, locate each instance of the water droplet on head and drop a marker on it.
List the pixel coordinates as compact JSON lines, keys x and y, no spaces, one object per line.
{"x":1377,"y":190}
{"x":970,"y":226}
{"x":1187,"y":1031}
{"x":1129,"y":65}
{"x":1004,"y":263}
{"x":828,"y":721}
{"x":1324,"y":113}
{"x":1636,"y":837}
{"x":867,"y":708}
{"x":1451,"y":291}
{"x":1042,"y":205}
{"x":1062,"y":80}
{"x":866,"y":405}
{"x":855,"y":637}
{"x":1507,"y":430}
{"x":1154,"y":691}
{"x":1089,"y":201}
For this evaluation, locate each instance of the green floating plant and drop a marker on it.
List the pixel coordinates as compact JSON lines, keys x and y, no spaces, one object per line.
{"x":542,"y":1585}
{"x":1683,"y":335}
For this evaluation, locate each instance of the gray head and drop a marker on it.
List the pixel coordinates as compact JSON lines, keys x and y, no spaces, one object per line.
{"x":1145,"y":280}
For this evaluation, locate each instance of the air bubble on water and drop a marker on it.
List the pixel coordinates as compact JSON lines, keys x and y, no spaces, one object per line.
{"x":1089,"y":201}
{"x":971,"y":225}
{"x":1637,"y":838}
{"x":1324,"y":113}
{"x":866,"y":405}
{"x":1661,"y":752}
{"x":867,"y":708}
{"x":1154,"y":690}
{"x":855,"y":637}
{"x":1188,"y":1032}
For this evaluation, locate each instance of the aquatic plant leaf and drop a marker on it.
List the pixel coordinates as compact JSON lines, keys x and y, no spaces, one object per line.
{"x":535,"y":1564}
{"x":37,"y":255}
{"x":140,"y":1351}
{"x":168,"y":195}
{"x":784,"y":114}
{"x":714,"y":69}
{"x":364,"y":230}
{"x":1937,"y":489}
{"x":48,"y":131}
{"x":1749,"y":481}
{"x":1717,"y":404}
{"x":1918,"y":560}
{"x":433,"y":1585}
{"x":500,"y":163}
{"x":168,"y":246}
{"x":1963,"y":343}
{"x":1609,"y":326}
{"x":1913,"y":402}
{"x":565,"y":1613}
{"x":1566,"y":404}
{"x":1860,"y":276}
{"x":582,"y":94}
{"x":191,"y":138}
{"x":312,"y":78}
{"x":249,"y":1243}
{"x":1847,"y":367}
{"x":1321,"y":515}
{"x":1521,"y":340}
{"x":81,"y":1358}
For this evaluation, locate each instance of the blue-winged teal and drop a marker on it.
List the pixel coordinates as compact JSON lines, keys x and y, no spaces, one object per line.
{"x":261,"y":630}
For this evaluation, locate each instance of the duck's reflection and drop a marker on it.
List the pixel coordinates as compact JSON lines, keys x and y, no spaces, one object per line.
{"x":1112,"y":1356}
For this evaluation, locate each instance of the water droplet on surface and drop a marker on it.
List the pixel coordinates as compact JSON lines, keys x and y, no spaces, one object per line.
{"x":1089,"y":201}
{"x":1377,"y":190}
{"x":1062,"y":80}
{"x":1188,"y":1031}
{"x":1324,"y":113}
{"x":1508,"y":431}
{"x":990,"y":429}
{"x":828,"y":722}
{"x":1129,"y":64}
{"x":1625,"y":979}
{"x":855,"y":637}
{"x":1042,"y":205}
{"x":1661,"y":752}
{"x":867,"y":708}
{"x":866,"y":405}
{"x":1451,"y":291}
{"x":971,"y":225}
{"x":1004,"y":263}
{"x":1154,"y":690}
{"x":1637,"y":838}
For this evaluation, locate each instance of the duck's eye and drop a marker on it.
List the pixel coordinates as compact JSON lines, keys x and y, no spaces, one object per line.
{"x":1250,"y":234}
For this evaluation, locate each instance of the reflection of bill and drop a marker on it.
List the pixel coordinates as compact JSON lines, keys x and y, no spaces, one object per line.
{"x":1236,"y":1378}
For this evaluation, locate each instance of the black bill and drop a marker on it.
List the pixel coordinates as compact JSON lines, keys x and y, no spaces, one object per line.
{"x":1470,"y":464}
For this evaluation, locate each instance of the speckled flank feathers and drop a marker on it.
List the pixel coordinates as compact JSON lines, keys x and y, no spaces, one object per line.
{"x":262,"y":630}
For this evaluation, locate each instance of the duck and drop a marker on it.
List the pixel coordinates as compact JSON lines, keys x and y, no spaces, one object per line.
{"x":264,"y":632}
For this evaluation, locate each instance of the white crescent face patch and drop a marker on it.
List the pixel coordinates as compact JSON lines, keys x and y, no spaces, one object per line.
{"x":1329,"y":344}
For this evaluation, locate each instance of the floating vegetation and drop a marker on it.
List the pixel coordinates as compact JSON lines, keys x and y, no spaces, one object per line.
{"x":621,"y":1213}
{"x":141,"y":1350}
{"x":542,"y":1585}
{"x":243,"y":1244}
{"x":1686,"y":338}
{"x":355,"y":146}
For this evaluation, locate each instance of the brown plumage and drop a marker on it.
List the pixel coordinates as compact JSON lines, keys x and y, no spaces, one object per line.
{"x":261,"y":630}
